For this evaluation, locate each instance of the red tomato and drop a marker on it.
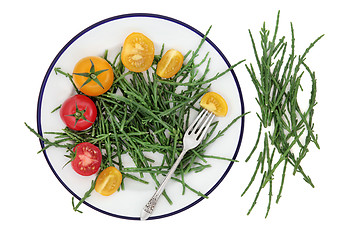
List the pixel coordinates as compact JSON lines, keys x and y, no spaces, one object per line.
{"x":87,"y":159}
{"x":78,"y":112}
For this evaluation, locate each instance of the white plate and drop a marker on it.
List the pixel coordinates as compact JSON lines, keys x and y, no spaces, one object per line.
{"x":110,"y":34}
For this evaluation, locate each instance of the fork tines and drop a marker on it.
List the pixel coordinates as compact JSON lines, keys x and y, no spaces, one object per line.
{"x":201,"y":124}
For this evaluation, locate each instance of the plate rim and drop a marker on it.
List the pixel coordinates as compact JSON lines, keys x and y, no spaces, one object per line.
{"x":131,"y":15}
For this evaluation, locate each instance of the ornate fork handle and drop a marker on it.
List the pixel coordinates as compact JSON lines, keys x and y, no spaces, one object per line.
{"x":192,"y":138}
{"x":149,"y":207}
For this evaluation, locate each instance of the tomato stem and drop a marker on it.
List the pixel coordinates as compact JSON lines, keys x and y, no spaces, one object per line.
{"x":78,"y":115}
{"x":92,"y":75}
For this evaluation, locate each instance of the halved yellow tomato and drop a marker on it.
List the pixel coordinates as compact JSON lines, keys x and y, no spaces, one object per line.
{"x":108,"y":181}
{"x":93,"y":75}
{"x":138,"y":52}
{"x":170,"y":64}
{"x":215,"y":103}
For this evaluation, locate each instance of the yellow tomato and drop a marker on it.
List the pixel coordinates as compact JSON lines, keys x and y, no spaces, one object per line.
{"x":108,"y":181}
{"x":170,"y":64}
{"x":138,"y":52}
{"x":215,"y":103}
{"x":93,"y":75}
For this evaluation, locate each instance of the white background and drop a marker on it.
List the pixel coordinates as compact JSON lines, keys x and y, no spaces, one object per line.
{"x":35,"y":205}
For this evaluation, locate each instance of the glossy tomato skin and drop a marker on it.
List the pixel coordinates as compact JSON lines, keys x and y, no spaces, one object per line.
{"x":170,"y":64}
{"x":78,"y":112}
{"x":87,"y":159}
{"x":108,"y":181}
{"x":215,"y":103}
{"x":138,"y":52}
{"x":96,"y":81}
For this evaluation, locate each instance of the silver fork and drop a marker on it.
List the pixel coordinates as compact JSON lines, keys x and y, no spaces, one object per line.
{"x":192,"y":138}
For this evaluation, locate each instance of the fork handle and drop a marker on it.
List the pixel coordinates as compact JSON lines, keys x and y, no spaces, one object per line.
{"x":149,"y":207}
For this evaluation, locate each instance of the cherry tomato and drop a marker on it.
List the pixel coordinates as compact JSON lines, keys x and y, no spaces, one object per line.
{"x":215,"y":103}
{"x":93,"y":75}
{"x":170,"y":64}
{"x":108,"y":181}
{"x":78,"y":112}
{"x":87,"y":159}
{"x":138,"y":52}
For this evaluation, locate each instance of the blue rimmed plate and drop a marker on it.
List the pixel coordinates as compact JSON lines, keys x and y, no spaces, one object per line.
{"x":109,"y":34}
